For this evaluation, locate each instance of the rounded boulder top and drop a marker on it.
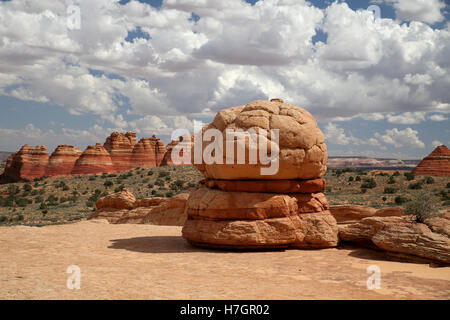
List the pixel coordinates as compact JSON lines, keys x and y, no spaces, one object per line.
{"x":301,"y":147}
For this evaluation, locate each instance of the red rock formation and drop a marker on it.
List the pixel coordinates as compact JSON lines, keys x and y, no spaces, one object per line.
{"x":120,"y":152}
{"x":63,"y":160}
{"x":148,"y":152}
{"x":239,"y":207}
{"x":122,"y":207}
{"x":167,"y":160}
{"x":120,"y":147}
{"x":95,"y":159}
{"x":437,"y":163}
{"x":26,"y":164}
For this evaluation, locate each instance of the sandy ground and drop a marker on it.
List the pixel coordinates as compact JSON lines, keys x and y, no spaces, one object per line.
{"x":154,"y":262}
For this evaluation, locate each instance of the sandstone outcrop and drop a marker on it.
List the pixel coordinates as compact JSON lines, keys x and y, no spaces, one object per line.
{"x":62,"y":160}
{"x":120,"y":148}
{"x":95,"y":159}
{"x":238,"y":207}
{"x":437,"y":163}
{"x":402,"y":236}
{"x":26,"y":164}
{"x":119,"y":152}
{"x":148,"y":152}
{"x":122,"y":207}
{"x":345,"y":214}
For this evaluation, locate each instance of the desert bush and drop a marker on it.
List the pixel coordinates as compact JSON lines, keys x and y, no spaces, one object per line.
{"x":421,"y":206}
{"x":38,"y":199}
{"x":363,"y":190}
{"x":92,"y":178}
{"x":27,"y":187}
{"x":169,"y":194}
{"x":43,"y":206}
{"x":108,"y":183}
{"x":448,"y":185}
{"x":119,"y":188}
{"x":350,"y":179}
{"x":3,"y":219}
{"x":66,"y":188}
{"x":150,"y":173}
{"x":396,"y":174}
{"x":400,"y":200}
{"x":153,"y":192}
{"x":358,"y":178}
{"x":416,"y":185}
{"x":34,"y":192}
{"x":192,"y":184}
{"x":409,"y":176}
{"x":90,"y":204}
{"x":12,"y":189}
{"x":146,"y":180}
{"x":384,"y":198}
{"x":159,"y":182}
{"x":163,"y":174}
{"x":391,"y":180}
{"x":369,"y":184}
{"x":390,"y":190}
{"x":429,"y":180}
{"x":112,"y":175}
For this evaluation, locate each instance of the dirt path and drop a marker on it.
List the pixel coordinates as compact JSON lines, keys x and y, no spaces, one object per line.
{"x":154,"y":262}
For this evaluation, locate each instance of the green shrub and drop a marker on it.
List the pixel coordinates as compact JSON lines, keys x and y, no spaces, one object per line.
{"x":391,"y":180}
{"x":163,"y":174}
{"x":44,"y":212}
{"x":400,"y":200}
{"x":169,"y":194}
{"x":3,"y":219}
{"x":390,"y":190}
{"x":358,"y":178}
{"x":192,"y":184}
{"x":448,"y":185}
{"x":90,"y":204}
{"x":421,"y":206}
{"x":65,"y":188}
{"x":384,"y":198}
{"x":363,"y":190}
{"x":22,"y":202}
{"x":369,"y":184}
{"x":27,"y":187}
{"x":409,"y":176}
{"x":159,"y":182}
{"x":108,"y":183}
{"x":92,"y":178}
{"x":350,"y":179}
{"x":150,"y":173}
{"x":416,"y":185}
{"x":396,"y":174}
{"x":429,"y":180}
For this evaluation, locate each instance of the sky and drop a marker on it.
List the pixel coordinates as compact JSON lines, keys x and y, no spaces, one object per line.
{"x":374,"y":74}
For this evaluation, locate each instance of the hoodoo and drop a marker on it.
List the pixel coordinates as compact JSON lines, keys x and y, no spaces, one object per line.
{"x":239,"y":207}
{"x":437,"y":163}
{"x":120,"y":147}
{"x":95,"y":159}
{"x":148,"y":152}
{"x":63,"y":160}
{"x":26,"y":164}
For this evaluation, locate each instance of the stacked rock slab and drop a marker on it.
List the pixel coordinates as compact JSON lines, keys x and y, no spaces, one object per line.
{"x":238,"y":207}
{"x":437,"y":163}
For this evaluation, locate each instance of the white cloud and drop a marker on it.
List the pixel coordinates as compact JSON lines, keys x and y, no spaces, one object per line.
{"x":420,"y":10}
{"x":407,"y":118}
{"x":401,"y":138}
{"x":438,"y":117}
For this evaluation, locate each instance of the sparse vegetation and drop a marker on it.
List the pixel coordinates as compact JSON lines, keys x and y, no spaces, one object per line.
{"x":422,"y":206}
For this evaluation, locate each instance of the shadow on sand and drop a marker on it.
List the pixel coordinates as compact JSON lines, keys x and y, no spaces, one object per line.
{"x":171,"y":244}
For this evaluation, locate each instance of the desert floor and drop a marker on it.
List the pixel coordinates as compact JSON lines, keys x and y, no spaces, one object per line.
{"x":154,"y":262}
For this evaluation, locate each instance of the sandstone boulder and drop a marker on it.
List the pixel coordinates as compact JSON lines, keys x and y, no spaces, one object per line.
{"x":302,"y":150}
{"x":345,"y":214}
{"x":275,"y":186}
{"x":122,"y":207}
{"x":399,"y":235}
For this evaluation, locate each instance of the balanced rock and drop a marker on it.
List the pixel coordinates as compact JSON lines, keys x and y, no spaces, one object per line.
{"x":63,"y":160}
{"x":95,"y":159}
{"x":301,"y":146}
{"x":437,"y":163}
{"x":167,"y":160}
{"x":238,"y":207}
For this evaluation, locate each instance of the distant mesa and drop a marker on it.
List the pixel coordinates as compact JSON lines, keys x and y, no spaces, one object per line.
{"x":437,"y":163}
{"x":119,"y":152}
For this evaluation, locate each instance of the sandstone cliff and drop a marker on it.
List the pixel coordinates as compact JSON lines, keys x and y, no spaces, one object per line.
{"x":437,"y":163}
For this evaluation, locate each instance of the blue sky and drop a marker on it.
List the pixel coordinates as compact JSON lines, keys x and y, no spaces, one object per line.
{"x":378,"y":87}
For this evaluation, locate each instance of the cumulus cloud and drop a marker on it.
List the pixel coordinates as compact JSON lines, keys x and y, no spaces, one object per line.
{"x":401,"y":138}
{"x":420,"y":10}
{"x":436,"y":143}
{"x":373,"y":69}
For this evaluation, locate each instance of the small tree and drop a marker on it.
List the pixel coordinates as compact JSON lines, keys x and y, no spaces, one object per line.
{"x":422,"y":206}
{"x":409,"y":176}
